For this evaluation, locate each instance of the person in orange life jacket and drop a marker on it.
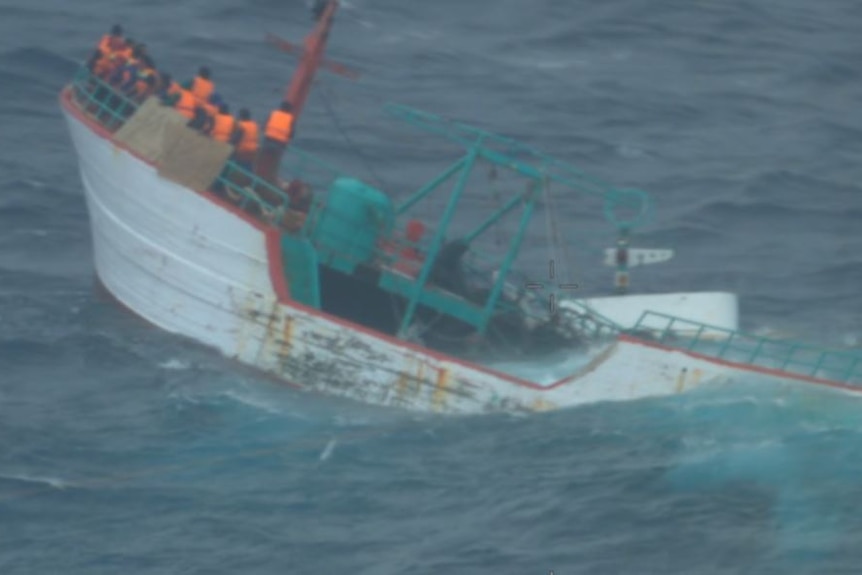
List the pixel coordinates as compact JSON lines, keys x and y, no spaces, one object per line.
{"x":128,"y":71}
{"x":224,"y":125}
{"x":98,"y":62}
{"x":105,"y":62}
{"x":211,"y":106}
{"x":144,"y":88}
{"x":98,"y":58}
{"x":124,"y":52}
{"x":168,"y":90}
{"x":279,"y":127}
{"x":109,"y":44}
{"x":200,"y":121}
{"x":113,"y":40}
{"x":132,"y":82}
{"x":201,"y":86}
{"x":173,"y":95}
{"x":105,"y":59}
{"x":245,"y":139}
{"x":185,"y":104}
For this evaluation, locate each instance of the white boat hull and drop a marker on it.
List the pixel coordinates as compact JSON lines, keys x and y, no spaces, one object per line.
{"x":196,"y":266}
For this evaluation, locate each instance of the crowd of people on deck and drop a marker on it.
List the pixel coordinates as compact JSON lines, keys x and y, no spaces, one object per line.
{"x":128,"y":68}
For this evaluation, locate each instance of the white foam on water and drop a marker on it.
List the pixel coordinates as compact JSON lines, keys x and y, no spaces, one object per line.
{"x":36,"y":184}
{"x":548,"y":370}
{"x":175,"y":364}
{"x":251,"y":400}
{"x":54,"y":482}
{"x":327,"y":451}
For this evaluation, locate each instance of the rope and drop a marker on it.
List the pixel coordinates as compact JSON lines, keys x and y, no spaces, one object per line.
{"x":549,"y":224}
{"x":330,"y":110}
{"x":553,"y":230}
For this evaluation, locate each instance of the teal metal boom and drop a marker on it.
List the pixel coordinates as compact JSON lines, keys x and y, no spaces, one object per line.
{"x":430,"y":186}
{"x":529,"y":163}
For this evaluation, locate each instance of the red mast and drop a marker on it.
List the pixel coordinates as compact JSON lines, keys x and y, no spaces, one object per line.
{"x":297,"y":92}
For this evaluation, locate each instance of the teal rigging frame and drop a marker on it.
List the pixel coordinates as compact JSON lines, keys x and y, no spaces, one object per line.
{"x":539,"y":169}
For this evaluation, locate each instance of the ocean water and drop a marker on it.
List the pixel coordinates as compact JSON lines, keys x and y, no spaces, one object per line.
{"x":123,"y":449}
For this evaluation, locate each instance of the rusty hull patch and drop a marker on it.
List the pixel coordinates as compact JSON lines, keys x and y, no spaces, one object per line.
{"x":343,"y":363}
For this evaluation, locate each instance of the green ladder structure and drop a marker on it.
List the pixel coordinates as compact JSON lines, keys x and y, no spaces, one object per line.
{"x":737,"y":347}
{"x":537,"y":168}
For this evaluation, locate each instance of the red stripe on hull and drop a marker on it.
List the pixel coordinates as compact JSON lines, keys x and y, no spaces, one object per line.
{"x":745,"y":366}
{"x":275,"y":263}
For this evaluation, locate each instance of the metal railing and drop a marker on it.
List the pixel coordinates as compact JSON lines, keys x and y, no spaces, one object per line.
{"x":737,"y":347}
{"x":591,"y":322}
{"x":103,"y":101}
{"x":246,"y":188}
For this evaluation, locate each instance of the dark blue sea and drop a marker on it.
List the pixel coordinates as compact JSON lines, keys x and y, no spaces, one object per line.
{"x":126,"y":450}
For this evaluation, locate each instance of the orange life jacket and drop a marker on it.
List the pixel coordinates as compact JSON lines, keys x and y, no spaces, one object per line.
{"x":105,"y":66}
{"x":109,"y":44}
{"x":202,"y":89}
{"x":186,"y":104}
{"x":279,"y":126}
{"x":249,"y":142}
{"x":109,"y":64}
{"x":105,"y":43}
{"x":223,"y":125}
{"x":125,"y":52}
{"x":174,"y":88}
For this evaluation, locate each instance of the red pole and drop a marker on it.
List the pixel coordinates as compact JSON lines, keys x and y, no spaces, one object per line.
{"x":315,"y":44}
{"x":297,"y":92}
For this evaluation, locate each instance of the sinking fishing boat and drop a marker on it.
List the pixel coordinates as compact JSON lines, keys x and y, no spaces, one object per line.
{"x":348,"y":295}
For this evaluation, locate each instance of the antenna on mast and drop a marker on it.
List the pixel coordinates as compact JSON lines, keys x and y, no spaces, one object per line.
{"x":318,"y":9}
{"x":311,"y":58}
